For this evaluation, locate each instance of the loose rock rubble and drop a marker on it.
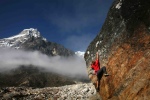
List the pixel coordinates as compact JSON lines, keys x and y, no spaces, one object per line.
{"x":68,"y":92}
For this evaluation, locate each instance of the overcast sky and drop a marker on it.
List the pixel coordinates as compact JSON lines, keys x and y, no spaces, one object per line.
{"x":72,"y":23}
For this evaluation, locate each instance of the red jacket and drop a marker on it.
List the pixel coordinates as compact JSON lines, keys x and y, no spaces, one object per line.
{"x":96,"y":66}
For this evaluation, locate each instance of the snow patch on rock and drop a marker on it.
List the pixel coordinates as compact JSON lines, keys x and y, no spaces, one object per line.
{"x":118,"y":6}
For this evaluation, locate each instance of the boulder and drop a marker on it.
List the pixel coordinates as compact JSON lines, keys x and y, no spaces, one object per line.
{"x":124,"y":48}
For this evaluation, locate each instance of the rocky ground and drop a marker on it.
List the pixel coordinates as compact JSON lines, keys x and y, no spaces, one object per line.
{"x":69,"y":92}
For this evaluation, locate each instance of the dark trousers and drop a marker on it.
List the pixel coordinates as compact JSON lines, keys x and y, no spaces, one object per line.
{"x":100,"y":74}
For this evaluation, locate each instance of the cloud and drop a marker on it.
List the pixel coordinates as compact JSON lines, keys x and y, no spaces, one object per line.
{"x":72,"y":66}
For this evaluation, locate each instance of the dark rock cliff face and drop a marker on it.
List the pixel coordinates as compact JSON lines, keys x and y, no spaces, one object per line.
{"x":124,"y":48}
{"x":46,"y":47}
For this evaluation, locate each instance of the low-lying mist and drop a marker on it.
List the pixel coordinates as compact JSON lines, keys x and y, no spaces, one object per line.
{"x":71,"y":66}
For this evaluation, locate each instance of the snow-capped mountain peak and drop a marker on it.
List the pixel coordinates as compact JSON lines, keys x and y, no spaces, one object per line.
{"x":15,"y":41}
{"x":26,"y":33}
{"x":31,"y":32}
{"x":80,"y":53}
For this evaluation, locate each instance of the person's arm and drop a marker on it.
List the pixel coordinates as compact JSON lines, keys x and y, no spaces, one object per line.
{"x":97,"y":56}
{"x":97,"y":59}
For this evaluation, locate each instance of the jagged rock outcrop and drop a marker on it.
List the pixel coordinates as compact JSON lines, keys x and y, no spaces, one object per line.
{"x":124,"y":47}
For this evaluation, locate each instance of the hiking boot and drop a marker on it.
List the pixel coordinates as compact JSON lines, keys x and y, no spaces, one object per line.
{"x":106,"y":74}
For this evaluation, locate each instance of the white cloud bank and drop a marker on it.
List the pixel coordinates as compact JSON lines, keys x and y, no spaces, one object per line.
{"x":72,"y":66}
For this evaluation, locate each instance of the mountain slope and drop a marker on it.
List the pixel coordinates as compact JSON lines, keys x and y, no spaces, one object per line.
{"x":30,"y":39}
{"x":29,"y":75}
{"x":17,"y":40}
{"x":32,"y":76}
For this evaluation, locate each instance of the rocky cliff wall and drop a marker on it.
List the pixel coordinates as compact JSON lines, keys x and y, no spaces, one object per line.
{"x":124,"y":47}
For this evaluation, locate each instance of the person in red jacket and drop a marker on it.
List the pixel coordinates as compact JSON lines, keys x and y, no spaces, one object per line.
{"x":95,"y":65}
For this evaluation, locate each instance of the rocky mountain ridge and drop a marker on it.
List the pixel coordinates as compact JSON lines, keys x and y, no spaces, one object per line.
{"x":31,"y":39}
{"x":17,"y":40}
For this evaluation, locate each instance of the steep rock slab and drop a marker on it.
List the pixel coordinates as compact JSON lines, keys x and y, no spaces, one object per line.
{"x":124,"y":47}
